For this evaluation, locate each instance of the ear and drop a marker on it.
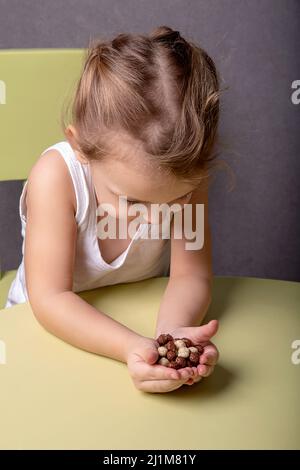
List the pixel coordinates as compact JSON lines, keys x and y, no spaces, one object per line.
{"x":71,"y":136}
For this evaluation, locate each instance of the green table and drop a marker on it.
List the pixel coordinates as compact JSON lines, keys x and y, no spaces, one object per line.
{"x":55,"y":396}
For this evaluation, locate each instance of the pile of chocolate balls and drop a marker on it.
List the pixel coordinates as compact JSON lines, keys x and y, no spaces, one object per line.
{"x":178,"y":352}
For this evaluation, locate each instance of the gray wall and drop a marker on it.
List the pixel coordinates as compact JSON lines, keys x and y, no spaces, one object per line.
{"x":256,"y":225}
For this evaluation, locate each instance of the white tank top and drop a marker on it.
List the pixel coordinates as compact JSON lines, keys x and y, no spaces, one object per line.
{"x":143,"y":258}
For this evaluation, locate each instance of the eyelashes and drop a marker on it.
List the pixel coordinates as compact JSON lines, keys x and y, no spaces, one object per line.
{"x":187,"y":196}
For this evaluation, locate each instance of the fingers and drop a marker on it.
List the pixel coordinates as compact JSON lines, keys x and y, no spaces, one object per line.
{"x":198,"y":379}
{"x":202,"y":370}
{"x":150,"y":355}
{"x":190,"y":374}
{"x":186,"y":373}
{"x":205,"y":370}
{"x":189,"y":382}
{"x":163,"y":386}
{"x":180,"y":374}
{"x":210,"y":355}
{"x":193,"y":380}
{"x":202,"y":334}
{"x":142,"y":370}
{"x":160,"y":386}
{"x":208,"y":331}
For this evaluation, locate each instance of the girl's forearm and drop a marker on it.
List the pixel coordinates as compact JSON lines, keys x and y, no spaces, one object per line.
{"x":184,"y":303}
{"x":69,"y":317}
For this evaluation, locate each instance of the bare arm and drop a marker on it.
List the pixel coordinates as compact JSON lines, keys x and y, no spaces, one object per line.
{"x":188,"y":293}
{"x":69,"y":317}
{"x":184,"y":303}
{"x":49,"y":256}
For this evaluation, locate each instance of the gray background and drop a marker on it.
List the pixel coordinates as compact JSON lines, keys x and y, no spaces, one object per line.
{"x":254,"y":208}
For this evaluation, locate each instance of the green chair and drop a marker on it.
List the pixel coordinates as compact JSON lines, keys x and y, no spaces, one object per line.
{"x":35,"y":86}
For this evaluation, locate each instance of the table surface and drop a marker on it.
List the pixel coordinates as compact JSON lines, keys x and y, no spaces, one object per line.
{"x":56,"y":396}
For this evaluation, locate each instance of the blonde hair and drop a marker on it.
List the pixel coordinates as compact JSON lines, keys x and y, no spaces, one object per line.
{"x":161,"y":90}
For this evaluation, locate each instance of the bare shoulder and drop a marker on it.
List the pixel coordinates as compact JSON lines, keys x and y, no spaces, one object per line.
{"x":51,"y":229}
{"x":51,"y":171}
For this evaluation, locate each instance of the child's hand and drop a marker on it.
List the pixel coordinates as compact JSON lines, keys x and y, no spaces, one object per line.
{"x":201,"y":335}
{"x":150,"y":377}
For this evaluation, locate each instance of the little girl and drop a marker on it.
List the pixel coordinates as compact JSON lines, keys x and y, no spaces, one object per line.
{"x":145,"y":116}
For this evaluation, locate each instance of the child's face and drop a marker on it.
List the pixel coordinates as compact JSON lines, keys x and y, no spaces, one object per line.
{"x":139,"y":184}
